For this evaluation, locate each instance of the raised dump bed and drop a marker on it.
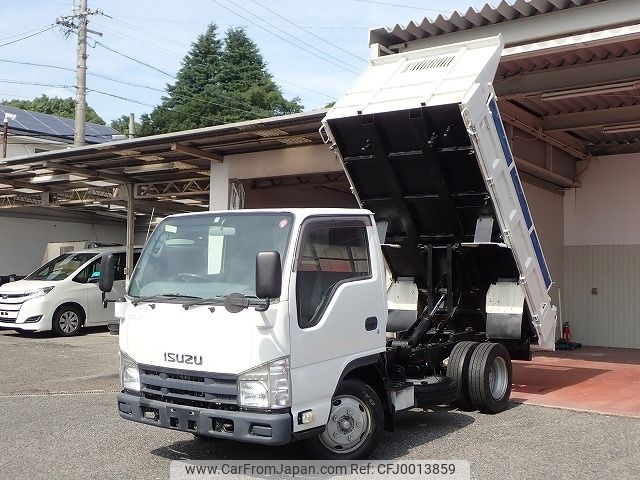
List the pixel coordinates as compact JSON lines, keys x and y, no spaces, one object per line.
{"x":423,"y":144}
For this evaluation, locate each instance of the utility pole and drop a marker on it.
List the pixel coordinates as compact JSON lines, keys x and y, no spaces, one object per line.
{"x":132,"y":125}
{"x":5,"y":132}
{"x":81,"y":77}
{"x":78,"y":21}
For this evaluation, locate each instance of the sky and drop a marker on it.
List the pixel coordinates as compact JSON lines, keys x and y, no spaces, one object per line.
{"x":314,"y":49}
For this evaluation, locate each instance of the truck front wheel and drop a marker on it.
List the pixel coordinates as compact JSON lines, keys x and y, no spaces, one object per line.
{"x":490,"y":376}
{"x":355,"y":424}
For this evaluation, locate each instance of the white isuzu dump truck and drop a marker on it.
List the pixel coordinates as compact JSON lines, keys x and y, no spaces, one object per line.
{"x":272,"y":326}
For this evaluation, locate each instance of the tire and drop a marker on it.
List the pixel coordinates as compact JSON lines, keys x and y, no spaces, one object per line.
{"x":68,"y":320}
{"x":458,"y":371}
{"x":437,"y":390}
{"x":355,"y":426}
{"x":490,"y":376}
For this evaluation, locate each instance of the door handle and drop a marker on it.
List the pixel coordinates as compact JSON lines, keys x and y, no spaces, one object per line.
{"x":371,"y":323}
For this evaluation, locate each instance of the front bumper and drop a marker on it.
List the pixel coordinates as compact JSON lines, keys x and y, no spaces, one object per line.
{"x":31,"y":315}
{"x":263,"y":428}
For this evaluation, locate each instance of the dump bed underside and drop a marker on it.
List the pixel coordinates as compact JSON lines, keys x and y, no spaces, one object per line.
{"x":422,"y":142}
{"x":417,"y":170}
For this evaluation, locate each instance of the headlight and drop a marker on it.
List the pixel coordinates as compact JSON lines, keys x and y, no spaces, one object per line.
{"x":266,"y":386}
{"x":39,"y":292}
{"x":129,"y":373}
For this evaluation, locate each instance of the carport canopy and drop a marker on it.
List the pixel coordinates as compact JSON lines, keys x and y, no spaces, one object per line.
{"x":147,"y":176}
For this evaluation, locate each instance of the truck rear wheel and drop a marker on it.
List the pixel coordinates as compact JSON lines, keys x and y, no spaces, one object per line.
{"x":355,"y":424}
{"x":458,"y":371}
{"x":490,"y":376}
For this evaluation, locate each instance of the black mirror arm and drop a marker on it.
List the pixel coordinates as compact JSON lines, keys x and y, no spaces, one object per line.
{"x":106,"y":301}
{"x":264,"y":306}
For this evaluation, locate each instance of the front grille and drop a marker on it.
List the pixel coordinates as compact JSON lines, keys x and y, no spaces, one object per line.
{"x":9,"y":312}
{"x":203,"y":390}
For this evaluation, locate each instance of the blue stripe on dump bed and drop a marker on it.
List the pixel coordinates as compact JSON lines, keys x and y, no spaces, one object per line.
{"x":502,"y":135}
{"x":521,"y":198}
{"x":541,"y":261}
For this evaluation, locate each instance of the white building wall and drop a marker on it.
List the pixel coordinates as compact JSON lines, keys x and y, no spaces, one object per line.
{"x":23,"y":240}
{"x":602,"y":253}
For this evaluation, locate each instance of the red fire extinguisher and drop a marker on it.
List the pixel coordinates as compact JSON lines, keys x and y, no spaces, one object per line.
{"x":566,"y":332}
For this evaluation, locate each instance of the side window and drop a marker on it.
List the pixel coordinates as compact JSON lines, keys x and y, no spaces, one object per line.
{"x":329,"y":255}
{"x":91,"y":271}
{"x":120,"y":262}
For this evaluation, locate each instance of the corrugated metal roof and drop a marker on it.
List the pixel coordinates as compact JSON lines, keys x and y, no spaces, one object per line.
{"x":44,"y":125}
{"x":487,"y":15}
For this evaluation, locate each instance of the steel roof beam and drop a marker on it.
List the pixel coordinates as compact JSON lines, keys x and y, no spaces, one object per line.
{"x":197,"y":152}
{"x":591,"y":119}
{"x":572,"y":77}
{"x":89,"y":173}
{"x":522,"y":119}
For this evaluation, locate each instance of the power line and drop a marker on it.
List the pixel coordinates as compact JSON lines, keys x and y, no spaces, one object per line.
{"x":343,"y":65}
{"x":129,"y":38}
{"x":413,"y":7}
{"x":252,"y":111}
{"x":296,"y":39}
{"x":51,"y":27}
{"x":148,"y":87}
{"x":23,"y":33}
{"x":38,"y":84}
{"x":133,"y":59}
{"x":309,"y":32}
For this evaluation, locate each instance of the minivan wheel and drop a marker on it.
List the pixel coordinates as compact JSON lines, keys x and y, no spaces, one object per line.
{"x":355,"y":424}
{"x":67,"y":320}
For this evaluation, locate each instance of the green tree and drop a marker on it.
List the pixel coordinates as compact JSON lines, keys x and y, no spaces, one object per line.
{"x":247,"y":83}
{"x":121,"y":124}
{"x":62,"y":107}
{"x":218,"y":82}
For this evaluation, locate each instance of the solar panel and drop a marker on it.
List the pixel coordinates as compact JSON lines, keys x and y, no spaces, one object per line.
{"x":43,"y":124}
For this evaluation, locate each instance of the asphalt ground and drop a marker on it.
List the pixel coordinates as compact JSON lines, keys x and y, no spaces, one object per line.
{"x":58,"y":419}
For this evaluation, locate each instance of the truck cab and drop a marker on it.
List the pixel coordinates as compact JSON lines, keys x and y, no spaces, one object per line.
{"x":206,"y":348}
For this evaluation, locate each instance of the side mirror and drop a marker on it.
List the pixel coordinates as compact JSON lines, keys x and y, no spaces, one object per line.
{"x":268,"y":275}
{"x":107,"y":273}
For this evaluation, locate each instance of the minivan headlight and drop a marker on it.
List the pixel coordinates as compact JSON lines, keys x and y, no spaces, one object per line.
{"x":38,"y":292}
{"x":266,"y":386}
{"x":129,"y":373}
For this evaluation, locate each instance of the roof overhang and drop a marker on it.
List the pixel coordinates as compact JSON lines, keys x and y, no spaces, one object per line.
{"x":169,"y":173}
{"x":568,"y":75}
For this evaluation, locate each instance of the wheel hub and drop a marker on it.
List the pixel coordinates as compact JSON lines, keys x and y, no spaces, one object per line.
{"x":69,"y":321}
{"x":348,"y":426}
{"x":498,"y":378}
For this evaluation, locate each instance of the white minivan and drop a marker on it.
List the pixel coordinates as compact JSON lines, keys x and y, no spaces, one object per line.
{"x":63,"y":294}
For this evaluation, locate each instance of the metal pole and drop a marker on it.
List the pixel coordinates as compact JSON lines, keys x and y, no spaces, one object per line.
{"x":5,"y":132}
{"x":81,"y":77}
{"x":130,"y":232}
{"x":132,"y":125}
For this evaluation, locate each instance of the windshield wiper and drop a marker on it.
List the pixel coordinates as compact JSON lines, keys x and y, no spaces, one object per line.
{"x":164,"y":296}
{"x":218,"y":300}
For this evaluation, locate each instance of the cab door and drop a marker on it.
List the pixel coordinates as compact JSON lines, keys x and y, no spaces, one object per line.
{"x":339,"y":307}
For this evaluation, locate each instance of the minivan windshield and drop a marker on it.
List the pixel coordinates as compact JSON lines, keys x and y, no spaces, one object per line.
{"x":61,"y":267}
{"x":208,"y":256}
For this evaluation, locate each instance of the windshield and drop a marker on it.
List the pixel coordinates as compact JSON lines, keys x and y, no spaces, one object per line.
{"x":208,"y":256}
{"x":61,"y":267}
